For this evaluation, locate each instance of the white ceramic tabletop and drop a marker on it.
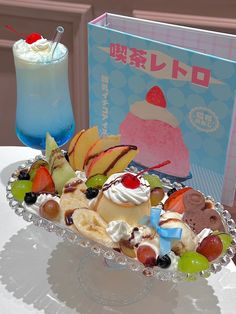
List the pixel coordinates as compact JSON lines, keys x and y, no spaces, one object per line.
{"x":39,"y":271}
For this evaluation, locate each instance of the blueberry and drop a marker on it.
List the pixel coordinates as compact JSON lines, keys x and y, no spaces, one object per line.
{"x":171,"y":191}
{"x":163,"y":261}
{"x":23,"y":175}
{"x":30,"y":198}
{"x":91,"y":193}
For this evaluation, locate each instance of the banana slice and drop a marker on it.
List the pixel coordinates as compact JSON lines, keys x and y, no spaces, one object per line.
{"x":73,"y":195}
{"x":91,"y":225}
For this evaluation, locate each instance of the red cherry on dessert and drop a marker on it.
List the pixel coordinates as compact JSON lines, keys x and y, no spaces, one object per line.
{"x":211,"y":247}
{"x":30,"y":39}
{"x":130,"y":181}
{"x":156,"y":97}
{"x":146,"y":255}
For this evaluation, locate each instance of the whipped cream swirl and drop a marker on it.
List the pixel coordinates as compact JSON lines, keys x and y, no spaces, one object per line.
{"x":114,"y":190}
{"x":118,"y":230}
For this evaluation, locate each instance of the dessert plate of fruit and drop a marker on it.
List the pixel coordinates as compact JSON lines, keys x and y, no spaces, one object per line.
{"x":92,"y":197}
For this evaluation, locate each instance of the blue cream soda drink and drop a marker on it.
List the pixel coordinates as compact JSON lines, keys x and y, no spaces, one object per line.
{"x":43,"y":97}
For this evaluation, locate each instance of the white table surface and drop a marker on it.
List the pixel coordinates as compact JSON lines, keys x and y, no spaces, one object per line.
{"x":38,"y":271}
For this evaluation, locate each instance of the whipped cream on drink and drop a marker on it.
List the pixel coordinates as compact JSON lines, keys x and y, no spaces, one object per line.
{"x":38,"y":51}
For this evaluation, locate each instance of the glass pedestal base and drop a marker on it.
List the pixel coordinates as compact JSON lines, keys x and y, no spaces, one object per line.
{"x":109,"y":283}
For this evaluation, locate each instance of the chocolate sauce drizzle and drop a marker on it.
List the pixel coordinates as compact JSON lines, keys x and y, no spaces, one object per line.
{"x":72,"y":186}
{"x":131,"y":147}
{"x":72,"y":150}
{"x":68,"y":217}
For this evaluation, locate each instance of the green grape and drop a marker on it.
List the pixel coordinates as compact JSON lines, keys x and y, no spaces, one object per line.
{"x":19,"y":188}
{"x":192,"y":262}
{"x":96,"y":181}
{"x":153,"y":180}
{"x":226,"y":239}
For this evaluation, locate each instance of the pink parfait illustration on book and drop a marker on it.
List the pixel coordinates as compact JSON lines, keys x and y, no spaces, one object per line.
{"x":156,"y":132}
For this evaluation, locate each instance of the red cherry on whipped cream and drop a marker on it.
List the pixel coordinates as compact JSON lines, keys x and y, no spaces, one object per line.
{"x":156,"y":97}
{"x":30,"y":39}
{"x":130,"y":181}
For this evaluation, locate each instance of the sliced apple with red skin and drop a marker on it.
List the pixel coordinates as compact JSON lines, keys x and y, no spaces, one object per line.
{"x":85,"y":141}
{"x":123,"y":161}
{"x":71,"y":148}
{"x":114,"y":159}
{"x":101,"y":145}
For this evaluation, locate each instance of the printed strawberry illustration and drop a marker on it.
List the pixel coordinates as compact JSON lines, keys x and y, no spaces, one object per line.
{"x":42,"y":181}
{"x":156,"y":97}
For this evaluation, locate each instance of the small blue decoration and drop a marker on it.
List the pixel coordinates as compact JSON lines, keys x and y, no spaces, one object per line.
{"x":166,"y":234}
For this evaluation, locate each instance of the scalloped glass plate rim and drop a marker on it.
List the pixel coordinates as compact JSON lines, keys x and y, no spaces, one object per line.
{"x":117,"y":257}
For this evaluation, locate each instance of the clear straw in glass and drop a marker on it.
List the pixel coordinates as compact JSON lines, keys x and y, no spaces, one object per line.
{"x":57,"y":38}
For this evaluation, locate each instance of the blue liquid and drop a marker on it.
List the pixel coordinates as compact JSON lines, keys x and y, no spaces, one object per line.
{"x":39,"y":142}
{"x":43,"y":102}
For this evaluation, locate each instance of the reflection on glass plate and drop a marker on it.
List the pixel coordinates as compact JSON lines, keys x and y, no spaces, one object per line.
{"x":43,"y":272}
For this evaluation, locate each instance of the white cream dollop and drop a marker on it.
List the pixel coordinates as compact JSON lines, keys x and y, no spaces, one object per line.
{"x":118,"y":230}
{"x":41,"y":44}
{"x":81,"y":175}
{"x":114,"y":190}
{"x":40,"y":51}
{"x":174,"y":262}
{"x":143,"y":232}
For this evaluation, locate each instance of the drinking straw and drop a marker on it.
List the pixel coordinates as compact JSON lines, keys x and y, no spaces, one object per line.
{"x":57,"y":38}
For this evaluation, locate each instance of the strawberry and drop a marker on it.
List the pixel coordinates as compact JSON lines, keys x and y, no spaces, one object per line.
{"x":175,"y":201}
{"x":42,"y":181}
{"x":156,"y":97}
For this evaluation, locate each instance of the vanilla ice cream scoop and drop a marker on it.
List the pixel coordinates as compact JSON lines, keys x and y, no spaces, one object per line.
{"x":188,"y":241}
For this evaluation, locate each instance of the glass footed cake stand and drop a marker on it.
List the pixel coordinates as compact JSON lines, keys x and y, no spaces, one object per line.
{"x":108,"y":276}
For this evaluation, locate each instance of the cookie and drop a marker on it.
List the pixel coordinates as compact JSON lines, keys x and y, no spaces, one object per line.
{"x":193,"y":200}
{"x":206,"y":218}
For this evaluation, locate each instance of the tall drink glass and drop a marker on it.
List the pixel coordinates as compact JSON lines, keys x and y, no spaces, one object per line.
{"x":43,"y":97}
